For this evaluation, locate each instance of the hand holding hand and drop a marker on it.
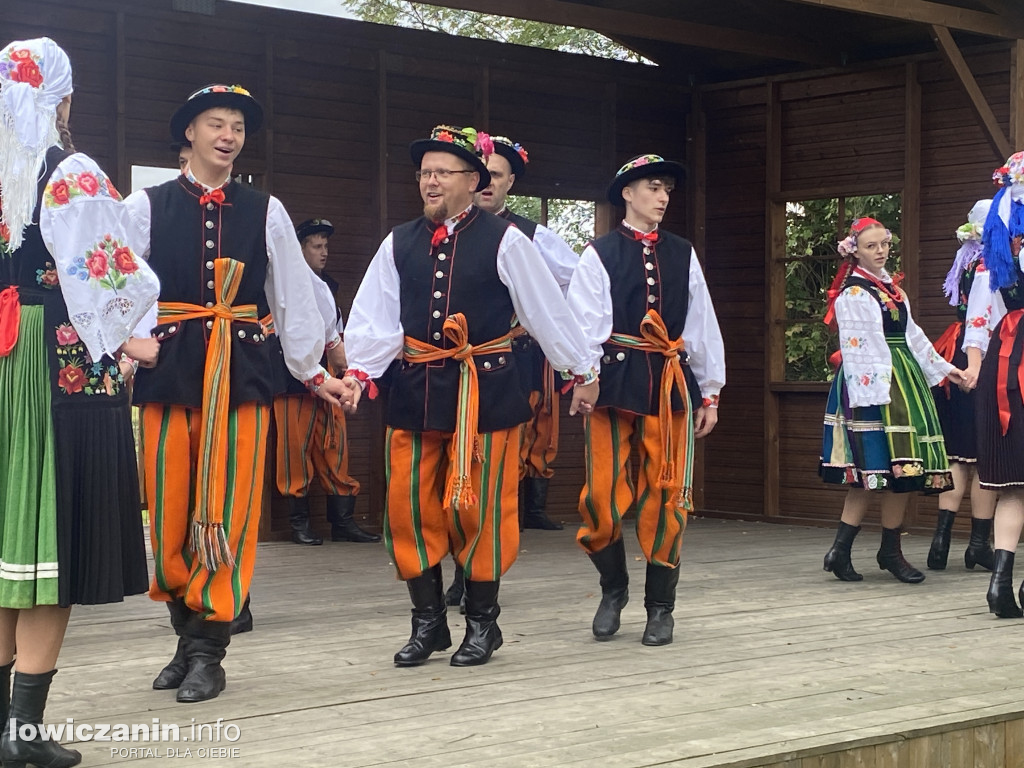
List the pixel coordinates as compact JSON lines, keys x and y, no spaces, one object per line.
{"x":145,"y":351}
{"x":584,"y":398}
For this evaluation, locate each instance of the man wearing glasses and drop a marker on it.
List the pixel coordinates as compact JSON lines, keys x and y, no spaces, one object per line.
{"x":437,"y":305}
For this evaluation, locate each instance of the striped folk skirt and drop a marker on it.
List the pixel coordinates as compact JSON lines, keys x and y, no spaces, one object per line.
{"x":897,"y":446}
{"x":1001,"y":456}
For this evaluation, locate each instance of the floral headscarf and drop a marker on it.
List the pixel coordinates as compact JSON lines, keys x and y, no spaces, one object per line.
{"x":35,"y":75}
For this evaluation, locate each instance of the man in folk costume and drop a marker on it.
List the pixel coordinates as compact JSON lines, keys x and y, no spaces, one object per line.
{"x":440,"y":295}
{"x":640,"y":296}
{"x":205,"y":407}
{"x":312,"y":441}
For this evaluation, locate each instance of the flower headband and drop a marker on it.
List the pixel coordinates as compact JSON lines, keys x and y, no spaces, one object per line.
{"x":848,"y":245}
{"x":637,"y":162}
{"x":469,"y":139}
{"x":1011,"y":173}
{"x":519,"y":148}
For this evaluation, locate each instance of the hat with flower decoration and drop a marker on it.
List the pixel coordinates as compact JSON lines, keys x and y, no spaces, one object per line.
{"x":643,"y":167}
{"x":212,"y":96}
{"x":466,"y":143}
{"x":1004,"y":225}
{"x":314,"y":227}
{"x":516,"y":155}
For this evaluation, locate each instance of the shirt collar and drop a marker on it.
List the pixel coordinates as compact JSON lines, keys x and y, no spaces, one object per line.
{"x":206,"y":188}
{"x":630,"y":227}
{"x":453,"y":221}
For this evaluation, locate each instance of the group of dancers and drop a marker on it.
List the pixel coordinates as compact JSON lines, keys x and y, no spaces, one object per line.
{"x":905,"y":416}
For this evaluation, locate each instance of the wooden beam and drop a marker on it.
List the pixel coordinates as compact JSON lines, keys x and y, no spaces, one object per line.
{"x":649,"y":27}
{"x":775,"y":296}
{"x":952,"y":54}
{"x":1011,"y":8}
{"x":924,"y":12}
{"x":697,"y":198}
{"x":122,"y":170}
{"x":1017,"y":96}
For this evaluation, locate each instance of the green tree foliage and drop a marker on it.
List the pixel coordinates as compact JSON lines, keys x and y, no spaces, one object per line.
{"x":505,"y":29}
{"x":813,"y":227}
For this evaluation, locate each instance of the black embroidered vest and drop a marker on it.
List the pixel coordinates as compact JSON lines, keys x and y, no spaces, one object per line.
{"x":460,"y":276}
{"x":185,"y":238}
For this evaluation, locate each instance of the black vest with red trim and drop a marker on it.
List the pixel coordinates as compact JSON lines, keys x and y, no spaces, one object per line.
{"x":642,"y":278}
{"x":529,"y":355}
{"x":459,"y":276}
{"x":185,"y":238}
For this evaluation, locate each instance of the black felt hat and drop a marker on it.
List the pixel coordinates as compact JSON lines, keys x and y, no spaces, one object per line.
{"x":230,"y":96}
{"x":314,"y":227}
{"x":516,"y":155}
{"x":643,"y":167}
{"x":466,"y":143}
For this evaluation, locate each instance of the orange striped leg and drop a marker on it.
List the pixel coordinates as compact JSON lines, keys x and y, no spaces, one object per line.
{"x":219,"y":595}
{"x":294,"y":417}
{"x":485,"y":538}
{"x":329,"y":452}
{"x":415,"y":527}
{"x":660,"y":518}
{"x":540,"y":440}
{"x":608,"y":491}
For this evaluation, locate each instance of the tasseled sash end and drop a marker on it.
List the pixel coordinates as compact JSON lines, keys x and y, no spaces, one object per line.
{"x":209,"y":542}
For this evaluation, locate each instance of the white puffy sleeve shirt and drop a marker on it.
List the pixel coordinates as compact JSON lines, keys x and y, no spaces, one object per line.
{"x":590,"y":300}
{"x":374,"y":335}
{"x":985,"y":308}
{"x":867,"y":360}
{"x":108,"y":290}
{"x":289,"y":291}
{"x":561,"y":260}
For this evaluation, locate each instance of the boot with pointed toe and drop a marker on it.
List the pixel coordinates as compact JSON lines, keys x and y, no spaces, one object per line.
{"x":430,"y":631}
{"x":28,"y":702}
{"x":659,"y":600}
{"x":207,"y":645}
{"x":298,"y":516}
{"x":938,"y":553}
{"x":535,"y":501}
{"x":837,"y":559}
{"x":341,"y":516}
{"x":890,"y":558}
{"x":611,"y":564}
{"x":1000,"y":587}
{"x":483,"y":636}
{"x":171,"y":676}
{"x":979,"y":551}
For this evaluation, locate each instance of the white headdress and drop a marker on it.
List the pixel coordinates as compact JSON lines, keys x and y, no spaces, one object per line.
{"x":35,"y":76}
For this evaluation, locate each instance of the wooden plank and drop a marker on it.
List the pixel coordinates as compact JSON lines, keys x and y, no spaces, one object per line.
{"x":1013,"y":744}
{"x":651,"y":27}
{"x":775,"y":295}
{"x":924,"y":12}
{"x":1017,"y":95}
{"x":951,"y":52}
{"x":989,"y":749}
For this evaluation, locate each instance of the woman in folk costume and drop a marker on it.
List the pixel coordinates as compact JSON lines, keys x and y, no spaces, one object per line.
{"x":881,"y":429}
{"x":999,"y":403}
{"x":71,"y":292}
{"x":956,"y":406}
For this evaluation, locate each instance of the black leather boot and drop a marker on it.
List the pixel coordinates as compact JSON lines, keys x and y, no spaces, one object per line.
{"x":611,"y":564}
{"x":5,"y":691}
{"x":837,"y":559}
{"x":659,"y":600}
{"x":1000,"y":587}
{"x":483,"y":637}
{"x":979,"y":551}
{"x":243,"y":621}
{"x":28,"y":701}
{"x":298,"y":515}
{"x":429,"y":625}
{"x":890,"y":558}
{"x":535,"y":503}
{"x":939,"y":551}
{"x":340,"y":514}
{"x":207,"y":646}
{"x":172,"y":675}
{"x":456,"y":594}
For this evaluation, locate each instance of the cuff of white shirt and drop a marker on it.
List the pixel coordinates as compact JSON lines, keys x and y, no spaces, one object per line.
{"x":710,"y":400}
{"x":316,"y":381}
{"x":333,"y":343}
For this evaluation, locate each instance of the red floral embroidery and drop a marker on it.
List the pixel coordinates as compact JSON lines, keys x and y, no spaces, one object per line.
{"x":71,"y":379}
{"x":27,"y":72}
{"x":60,"y":193}
{"x":445,"y":136}
{"x":111,"y":190}
{"x":88,"y":183}
{"x":22,"y":54}
{"x":66,"y":334}
{"x":978,"y":322}
{"x":124,"y":260}
{"x":97,"y":264}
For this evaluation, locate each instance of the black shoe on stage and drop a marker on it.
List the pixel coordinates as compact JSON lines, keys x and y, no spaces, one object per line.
{"x":979,"y":551}
{"x":298,"y":516}
{"x":890,"y":558}
{"x":938,"y":554}
{"x":837,"y":559}
{"x":611,"y":564}
{"x":429,"y":626}
{"x":341,"y":516}
{"x":483,"y":637}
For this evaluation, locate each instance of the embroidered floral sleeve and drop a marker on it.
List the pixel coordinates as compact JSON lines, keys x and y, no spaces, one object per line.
{"x":933,"y":365}
{"x":867,"y":362}
{"x":985,"y":308}
{"x":85,"y":226}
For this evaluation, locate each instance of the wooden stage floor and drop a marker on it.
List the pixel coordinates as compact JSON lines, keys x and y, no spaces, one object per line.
{"x":774,"y":663}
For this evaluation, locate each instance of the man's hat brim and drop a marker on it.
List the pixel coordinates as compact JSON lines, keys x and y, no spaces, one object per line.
{"x":660,"y":168}
{"x":313,"y":227}
{"x":195,"y":106}
{"x":419,"y":148}
{"x":515,"y":160}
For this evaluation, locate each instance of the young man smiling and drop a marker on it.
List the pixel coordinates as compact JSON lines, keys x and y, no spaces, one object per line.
{"x":227,"y":256}
{"x":642,"y":301}
{"x":440,"y":296}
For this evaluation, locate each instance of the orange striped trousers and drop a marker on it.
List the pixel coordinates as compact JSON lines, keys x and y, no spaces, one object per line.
{"x":420,"y":527}
{"x":609,"y":491}
{"x":170,"y":443}
{"x":539,"y":439}
{"x":312,"y":441}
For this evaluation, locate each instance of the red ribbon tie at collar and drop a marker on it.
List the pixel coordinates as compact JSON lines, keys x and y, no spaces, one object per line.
{"x":647,"y":237}
{"x":213,"y":196}
{"x":439,"y":235}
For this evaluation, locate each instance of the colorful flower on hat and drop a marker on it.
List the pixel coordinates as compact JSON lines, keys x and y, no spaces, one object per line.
{"x":20,"y":65}
{"x":521,"y":150}
{"x":445,"y":136}
{"x":484,"y":145}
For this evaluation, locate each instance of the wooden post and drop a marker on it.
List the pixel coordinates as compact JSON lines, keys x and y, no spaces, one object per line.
{"x":122,"y":170}
{"x":1017,"y":96}
{"x":910,"y":204}
{"x":696,"y":193}
{"x":775,"y":300}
